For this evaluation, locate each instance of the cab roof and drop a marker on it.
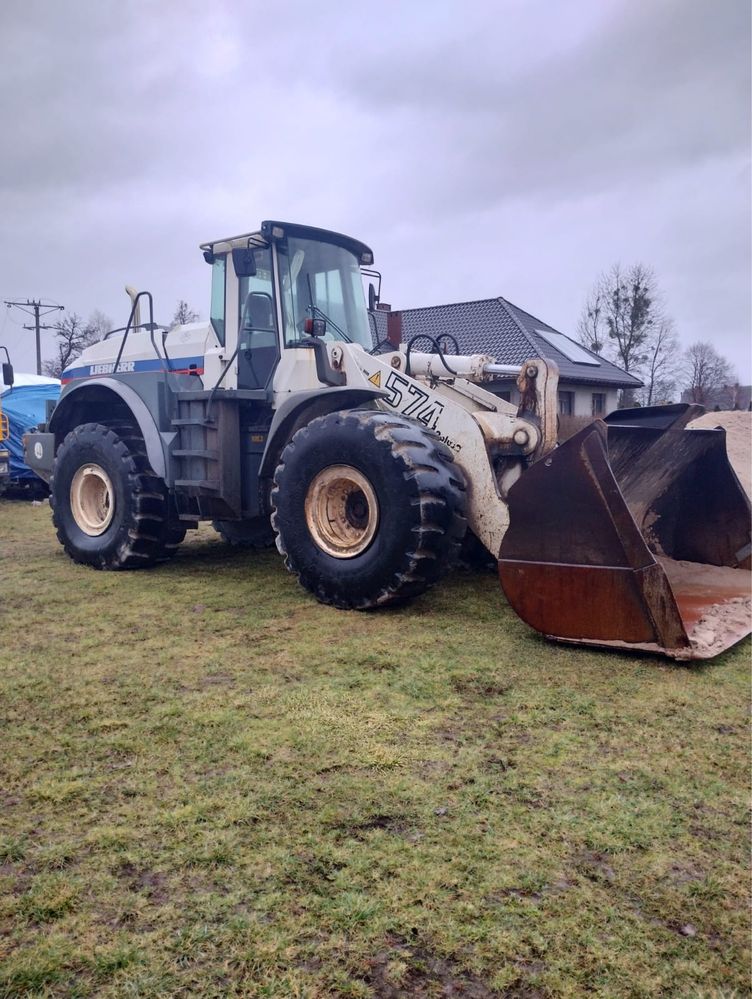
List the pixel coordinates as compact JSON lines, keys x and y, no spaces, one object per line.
{"x":275,"y":231}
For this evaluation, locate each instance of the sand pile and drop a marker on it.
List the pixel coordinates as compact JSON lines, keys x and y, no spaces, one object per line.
{"x":738,"y":427}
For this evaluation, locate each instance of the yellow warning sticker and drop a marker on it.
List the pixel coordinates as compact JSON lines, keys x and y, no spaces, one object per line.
{"x":375,"y":379}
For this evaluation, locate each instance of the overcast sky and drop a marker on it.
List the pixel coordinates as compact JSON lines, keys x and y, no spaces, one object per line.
{"x":515,"y":148}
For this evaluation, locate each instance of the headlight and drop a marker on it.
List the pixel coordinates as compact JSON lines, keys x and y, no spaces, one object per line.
{"x":3,"y":467}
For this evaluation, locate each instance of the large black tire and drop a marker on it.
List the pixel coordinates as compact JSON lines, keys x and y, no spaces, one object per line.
{"x":173,"y":532}
{"x":368,"y":508}
{"x":254,"y":533}
{"x":121,"y":522}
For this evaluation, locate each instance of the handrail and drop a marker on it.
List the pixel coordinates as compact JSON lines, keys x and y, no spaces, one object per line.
{"x":139,"y":326}
{"x":130,"y":322}
{"x":151,"y":326}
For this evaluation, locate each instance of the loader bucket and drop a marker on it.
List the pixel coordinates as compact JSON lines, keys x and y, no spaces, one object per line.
{"x":635,"y":533}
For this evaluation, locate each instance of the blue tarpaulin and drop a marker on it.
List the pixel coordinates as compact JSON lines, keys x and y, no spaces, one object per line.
{"x":25,"y":407}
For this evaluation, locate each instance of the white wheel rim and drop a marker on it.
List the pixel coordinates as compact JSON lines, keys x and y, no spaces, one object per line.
{"x":342,"y":512}
{"x":92,"y":499}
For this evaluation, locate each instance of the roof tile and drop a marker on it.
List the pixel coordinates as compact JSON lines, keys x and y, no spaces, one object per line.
{"x":497,"y":327}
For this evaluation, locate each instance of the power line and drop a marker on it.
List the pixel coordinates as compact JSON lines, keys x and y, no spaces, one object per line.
{"x":32,"y":307}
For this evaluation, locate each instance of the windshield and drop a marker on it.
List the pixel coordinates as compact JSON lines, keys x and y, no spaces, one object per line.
{"x":322,"y":281}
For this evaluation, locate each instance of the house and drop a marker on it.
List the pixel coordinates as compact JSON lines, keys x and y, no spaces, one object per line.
{"x":588,"y":384}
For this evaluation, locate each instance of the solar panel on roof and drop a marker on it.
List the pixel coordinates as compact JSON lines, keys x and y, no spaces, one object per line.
{"x":568,"y":348}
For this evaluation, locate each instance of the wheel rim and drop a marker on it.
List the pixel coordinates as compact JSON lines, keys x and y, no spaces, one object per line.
{"x":342,"y":511}
{"x":92,"y":499}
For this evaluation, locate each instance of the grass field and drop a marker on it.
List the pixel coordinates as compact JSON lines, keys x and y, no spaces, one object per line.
{"x":211,"y":785}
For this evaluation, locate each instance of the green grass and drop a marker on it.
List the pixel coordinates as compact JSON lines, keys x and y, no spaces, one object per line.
{"x":211,"y":785}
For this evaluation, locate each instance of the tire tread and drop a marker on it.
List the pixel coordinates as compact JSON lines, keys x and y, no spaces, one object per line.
{"x":150,"y":538}
{"x":427,"y":464}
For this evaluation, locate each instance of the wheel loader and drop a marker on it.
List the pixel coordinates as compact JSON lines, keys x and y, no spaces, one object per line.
{"x":278,"y":420}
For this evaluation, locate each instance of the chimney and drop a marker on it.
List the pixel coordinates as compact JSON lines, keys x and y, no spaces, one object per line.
{"x":394,"y":329}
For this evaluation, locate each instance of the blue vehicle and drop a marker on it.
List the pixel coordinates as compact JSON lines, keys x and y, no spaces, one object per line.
{"x":23,"y":407}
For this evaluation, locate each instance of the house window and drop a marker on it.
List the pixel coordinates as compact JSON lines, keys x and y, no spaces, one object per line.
{"x":599,"y":403}
{"x":566,"y":403}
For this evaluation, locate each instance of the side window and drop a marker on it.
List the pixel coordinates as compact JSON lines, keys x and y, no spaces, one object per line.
{"x":566,"y":403}
{"x":258,"y":345}
{"x":599,"y":403}
{"x":218,"y":298}
{"x":257,"y":301}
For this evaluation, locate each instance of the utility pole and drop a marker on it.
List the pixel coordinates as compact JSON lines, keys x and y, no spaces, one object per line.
{"x":34,"y":308}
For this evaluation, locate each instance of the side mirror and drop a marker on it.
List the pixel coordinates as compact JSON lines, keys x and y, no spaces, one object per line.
{"x":244,"y":261}
{"x":373,"y":298}
{"x":8,"y":373}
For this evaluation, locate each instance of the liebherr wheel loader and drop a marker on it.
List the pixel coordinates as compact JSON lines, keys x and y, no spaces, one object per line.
{"x":277,"y":419}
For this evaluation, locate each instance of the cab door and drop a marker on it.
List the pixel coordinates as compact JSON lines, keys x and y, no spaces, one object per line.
{"x":258,"y":337}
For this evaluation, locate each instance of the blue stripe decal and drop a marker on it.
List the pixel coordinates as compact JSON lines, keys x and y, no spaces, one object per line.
{"x":131,"y":367}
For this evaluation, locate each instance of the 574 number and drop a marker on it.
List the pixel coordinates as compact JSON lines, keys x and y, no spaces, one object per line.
{"x":410,"y":400}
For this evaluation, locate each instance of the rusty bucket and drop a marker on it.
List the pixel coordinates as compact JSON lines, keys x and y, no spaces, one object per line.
{"x":635,"y":533}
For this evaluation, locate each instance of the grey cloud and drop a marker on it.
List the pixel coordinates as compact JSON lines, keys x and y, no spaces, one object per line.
{"x":107,"y":92}
{"x":659,"y":85}
{"x":484,"y":148}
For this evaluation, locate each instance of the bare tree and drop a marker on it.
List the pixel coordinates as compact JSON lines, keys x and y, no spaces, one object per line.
{"x":590,"y":330}
{"x":660,"y":365}
{"x":707,"y":372}
{"x":736,"y":396}
{"x":621,"y":317}
{"x":630,"y":311}
{"x":99,"y":324}
{"x":183,"y":314}
{"x":72,"y":336}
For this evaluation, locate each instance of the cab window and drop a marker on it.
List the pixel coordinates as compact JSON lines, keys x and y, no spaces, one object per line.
{"x":322,"y":281}
{"x":217,"y":315}
{"x":258,"y":345}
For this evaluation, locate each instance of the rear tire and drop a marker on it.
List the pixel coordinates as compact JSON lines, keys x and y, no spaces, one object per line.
{"x":109,"y":509}
{"x":173,"y":533}
{"x":368,"y":508}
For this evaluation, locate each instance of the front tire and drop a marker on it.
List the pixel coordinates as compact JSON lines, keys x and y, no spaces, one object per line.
{"x":368,"y":508}
{"x":109,"y":509}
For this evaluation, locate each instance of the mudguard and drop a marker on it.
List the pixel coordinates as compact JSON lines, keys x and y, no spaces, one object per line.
{"x":139,"y":409}
{"x":302,"y":407}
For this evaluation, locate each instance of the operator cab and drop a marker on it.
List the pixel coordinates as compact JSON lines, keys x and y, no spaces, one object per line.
{"x":275,"y":288}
